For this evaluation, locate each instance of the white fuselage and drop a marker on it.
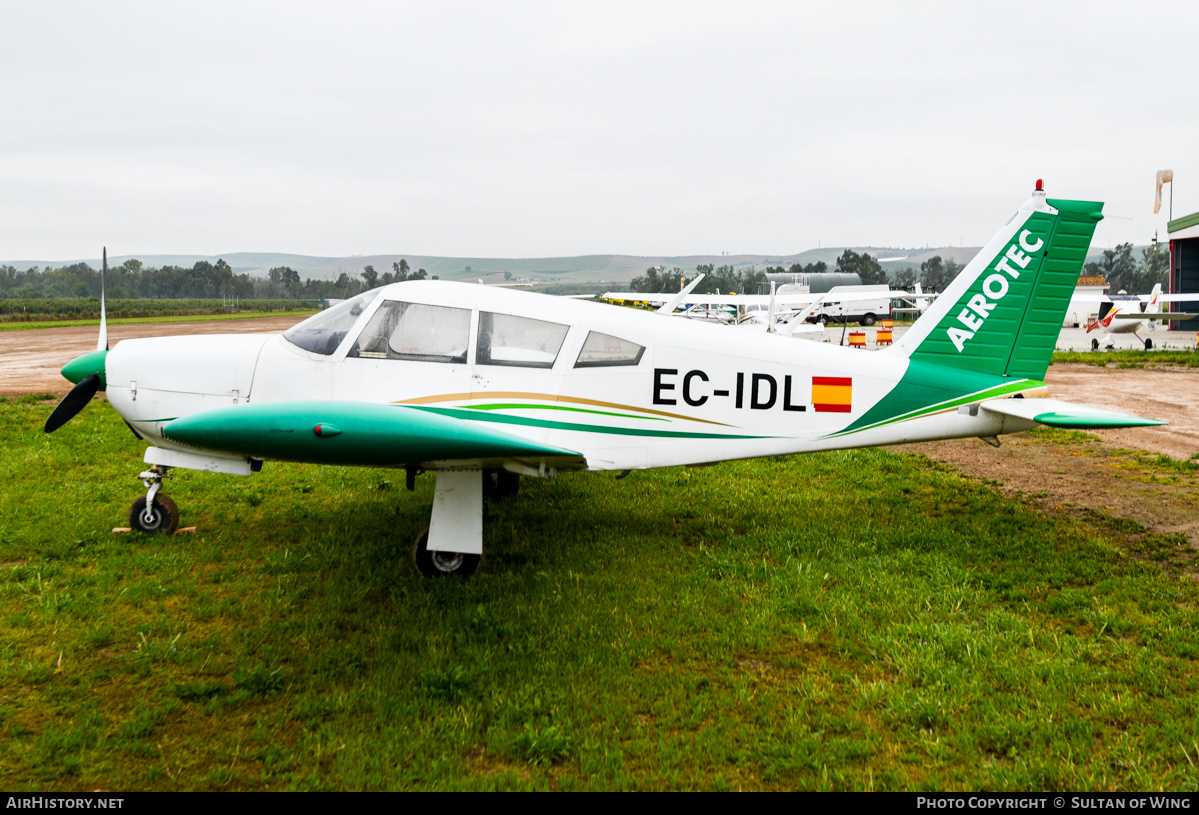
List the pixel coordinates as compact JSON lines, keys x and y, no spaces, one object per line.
{"x":697,"y":393}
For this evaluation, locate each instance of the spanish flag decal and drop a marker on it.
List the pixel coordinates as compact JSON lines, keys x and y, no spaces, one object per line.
{"x":832,"y":394}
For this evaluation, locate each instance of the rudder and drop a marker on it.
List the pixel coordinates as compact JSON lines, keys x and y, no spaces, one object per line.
{"x":1003,"y":313}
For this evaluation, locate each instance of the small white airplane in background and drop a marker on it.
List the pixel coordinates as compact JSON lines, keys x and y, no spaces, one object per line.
{"x":1126,"y":313}
{"x":919,"y":302}
{"x":774,"y":311}
{"x":482,"y":385}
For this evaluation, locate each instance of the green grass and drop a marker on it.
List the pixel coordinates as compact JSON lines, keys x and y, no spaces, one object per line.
{"x":850,"y":620}
{"x":1129,"y":359}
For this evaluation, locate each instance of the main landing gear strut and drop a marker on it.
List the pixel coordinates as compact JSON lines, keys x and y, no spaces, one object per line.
{"x":452,"y":543}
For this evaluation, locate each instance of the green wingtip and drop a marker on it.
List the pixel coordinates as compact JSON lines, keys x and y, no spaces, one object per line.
{"x":81,"y":367}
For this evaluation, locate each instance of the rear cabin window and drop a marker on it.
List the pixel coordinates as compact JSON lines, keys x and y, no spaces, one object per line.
{"x":518,"y":341}
{"x":416,"y":332}
{"x":604,"y":350}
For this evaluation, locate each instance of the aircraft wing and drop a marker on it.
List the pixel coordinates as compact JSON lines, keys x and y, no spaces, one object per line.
{"x":1135,"y":298}
{"x":713,"y":299}
{"x":1151,"y":315}
{"x":917,"y":303}
{"x":362,"y":433}
{"x":1056,"y":413}
{"x":637,"y":296}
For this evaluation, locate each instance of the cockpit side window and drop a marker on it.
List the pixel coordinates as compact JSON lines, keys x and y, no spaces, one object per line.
{"x":416,"y":332}
{"x":604,"y":350}
{"x":518,"y":341}
{"x":322,"y":333}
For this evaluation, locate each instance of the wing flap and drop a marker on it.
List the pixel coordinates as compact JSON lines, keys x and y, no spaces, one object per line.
{"x":1056,"y":413}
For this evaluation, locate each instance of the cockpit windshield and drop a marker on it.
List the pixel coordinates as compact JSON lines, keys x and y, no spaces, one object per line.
{"x":322,"y":333}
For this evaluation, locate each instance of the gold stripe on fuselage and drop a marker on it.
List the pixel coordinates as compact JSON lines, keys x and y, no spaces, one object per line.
{"x":546,"y":397}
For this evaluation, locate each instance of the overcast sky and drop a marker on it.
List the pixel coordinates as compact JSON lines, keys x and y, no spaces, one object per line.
{"x":531,"y":129}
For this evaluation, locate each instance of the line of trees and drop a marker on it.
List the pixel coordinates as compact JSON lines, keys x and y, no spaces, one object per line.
{"x":933,"y":275}
{"x":132,"y":280}
{"x":1124,"y":273}
{"x":204,"y":280}
{"x":400,"y":272}
{"x":725,"y":279}
{"x":728,"y":279}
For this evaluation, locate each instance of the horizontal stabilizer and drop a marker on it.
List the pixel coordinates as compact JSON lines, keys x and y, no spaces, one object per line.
{"x":1056,"y":413}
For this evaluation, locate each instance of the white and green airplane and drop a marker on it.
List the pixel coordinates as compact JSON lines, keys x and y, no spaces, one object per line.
{"x":482,"y":385}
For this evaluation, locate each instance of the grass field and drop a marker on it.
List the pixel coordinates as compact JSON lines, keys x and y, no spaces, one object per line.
{"x":857,"y":620}
{"x":1130,"y":359}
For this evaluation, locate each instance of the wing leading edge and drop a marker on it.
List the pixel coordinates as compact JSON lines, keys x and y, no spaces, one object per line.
{"x":361,"y":433}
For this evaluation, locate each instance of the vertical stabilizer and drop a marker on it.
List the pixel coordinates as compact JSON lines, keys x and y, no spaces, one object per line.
{"x":1154,"y":306}
{"x":1003,"y":313}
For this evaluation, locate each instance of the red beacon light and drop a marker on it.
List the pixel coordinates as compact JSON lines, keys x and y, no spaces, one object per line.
{"x":1040,"y":185}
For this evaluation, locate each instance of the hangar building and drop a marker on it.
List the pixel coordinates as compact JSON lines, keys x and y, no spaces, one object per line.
{"x":1184,"y":263}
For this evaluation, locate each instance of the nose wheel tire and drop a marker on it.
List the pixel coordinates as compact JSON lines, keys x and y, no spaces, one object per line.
{"x":163,"y":517}
{"x":441,"y":564}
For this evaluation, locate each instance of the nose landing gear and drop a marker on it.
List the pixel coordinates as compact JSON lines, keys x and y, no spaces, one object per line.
{"x":154,"y":513}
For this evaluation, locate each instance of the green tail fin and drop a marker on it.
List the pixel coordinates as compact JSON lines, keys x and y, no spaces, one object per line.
{"x":1003,"y":313}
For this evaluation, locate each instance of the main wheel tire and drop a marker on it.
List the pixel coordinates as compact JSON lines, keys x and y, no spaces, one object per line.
{"x":442,"y":564}
{"x":1149,"y":345}
{"x":164,"y":514}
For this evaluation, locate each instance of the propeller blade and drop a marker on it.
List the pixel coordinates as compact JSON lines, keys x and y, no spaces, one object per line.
{"x":73,"y":402}
{"x":102,"y":343}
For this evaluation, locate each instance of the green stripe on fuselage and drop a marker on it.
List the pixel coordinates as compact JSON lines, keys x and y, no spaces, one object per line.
{"x":503,"y":418}
{"x":927,"y":388}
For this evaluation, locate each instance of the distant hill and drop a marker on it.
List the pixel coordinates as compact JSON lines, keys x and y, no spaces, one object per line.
{"x":577,"y":269}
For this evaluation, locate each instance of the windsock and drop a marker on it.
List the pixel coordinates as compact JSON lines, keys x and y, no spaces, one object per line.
{"x":1163,"y":177}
